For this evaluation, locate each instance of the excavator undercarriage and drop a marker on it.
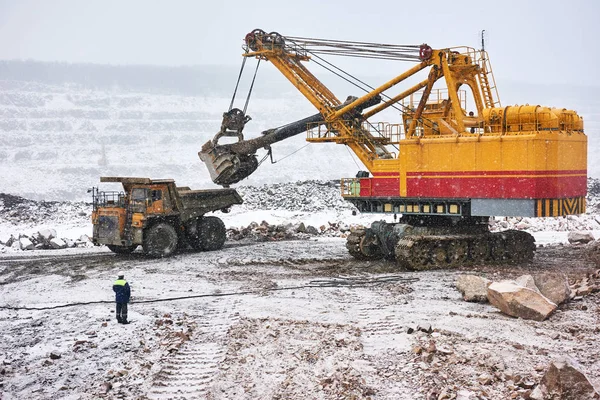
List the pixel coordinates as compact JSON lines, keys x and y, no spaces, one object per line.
{"x":440,"y":244}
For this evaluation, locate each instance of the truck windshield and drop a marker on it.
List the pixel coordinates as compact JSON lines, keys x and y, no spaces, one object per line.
{"x":139,"y":195}
{"x":139,"y":199}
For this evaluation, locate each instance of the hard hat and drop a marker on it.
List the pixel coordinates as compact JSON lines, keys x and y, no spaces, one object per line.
{"x":121,"y":274}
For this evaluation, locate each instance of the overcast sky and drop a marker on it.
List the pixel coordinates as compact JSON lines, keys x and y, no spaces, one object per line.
{"x":537,"y":41}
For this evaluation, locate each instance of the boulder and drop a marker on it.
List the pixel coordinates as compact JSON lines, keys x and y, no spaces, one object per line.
{"x":473,"y":287}
{"x":522,"y":225}
{"x":519,"y":301}
{"x":527,"y":281}
{"x":564,"y":380}
{"x":45,"y":235}
{"x":311,"y":230}
{"x":301,"y":228}
{"x":6,"y":239}
{"x":57,"y":243}
{"x":25,"y":243}
{"x":593,"y":252}
{"x":555,"y":287}
{"x":580,"y":237}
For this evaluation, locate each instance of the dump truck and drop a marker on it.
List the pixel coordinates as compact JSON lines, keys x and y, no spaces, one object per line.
{"x":444,"y":169}
{"x":159,"y":216}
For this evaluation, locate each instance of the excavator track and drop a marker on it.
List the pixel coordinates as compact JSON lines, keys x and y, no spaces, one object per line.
{"x":425,"y":252}
{"x":362,"y":246}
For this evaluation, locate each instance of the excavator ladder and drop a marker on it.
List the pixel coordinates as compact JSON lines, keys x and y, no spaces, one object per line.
{"x":487,"y":82}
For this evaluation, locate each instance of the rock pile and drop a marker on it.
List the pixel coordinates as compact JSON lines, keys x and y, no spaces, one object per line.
{"x":43,"y":240}
{"x":264,"y":231}
{"x":17,"y":210}
{"x":445,"y":368}
{"x":528,"y":297}
{"x":586,"y":285}
{"x":295,"y":196}
{"x":593,"y":252}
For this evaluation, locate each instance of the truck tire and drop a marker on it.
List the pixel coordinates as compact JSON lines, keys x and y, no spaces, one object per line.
{"x":121,"y":249}
{"x":160,"y":240}
{"x":211,"y":234}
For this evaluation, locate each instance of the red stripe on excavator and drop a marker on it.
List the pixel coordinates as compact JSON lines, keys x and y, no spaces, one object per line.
{"x":480,"y":184}
{"x":498,"y":187}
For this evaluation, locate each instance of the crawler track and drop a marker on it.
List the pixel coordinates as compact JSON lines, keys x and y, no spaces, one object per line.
{"x":425,"y":252}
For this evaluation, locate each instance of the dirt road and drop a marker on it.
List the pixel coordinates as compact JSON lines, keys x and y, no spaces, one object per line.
{"x":302,"y":332}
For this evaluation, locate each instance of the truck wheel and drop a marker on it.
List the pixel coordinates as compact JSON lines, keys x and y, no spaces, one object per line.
{"x":160,"y":240}
{"x":211,"y":234}
{"x":121,"y":249}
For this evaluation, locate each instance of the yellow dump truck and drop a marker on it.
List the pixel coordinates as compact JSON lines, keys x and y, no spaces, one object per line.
{"x":159,"y":216}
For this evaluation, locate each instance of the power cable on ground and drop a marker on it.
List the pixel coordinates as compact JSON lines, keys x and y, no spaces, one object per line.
{"x":325,"y":283}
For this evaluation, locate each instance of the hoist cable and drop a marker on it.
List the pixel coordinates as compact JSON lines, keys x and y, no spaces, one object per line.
{"x":238,"y":83}
{"x":292,"y":153}
{"x":355,"y":163}
{"x":251,"y":86}
{"x":401,"y":110}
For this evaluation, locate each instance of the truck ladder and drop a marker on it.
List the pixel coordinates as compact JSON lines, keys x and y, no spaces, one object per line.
{"x":128,"y":221}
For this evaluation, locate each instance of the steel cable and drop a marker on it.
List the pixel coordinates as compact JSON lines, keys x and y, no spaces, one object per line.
{"x":324,"y":283}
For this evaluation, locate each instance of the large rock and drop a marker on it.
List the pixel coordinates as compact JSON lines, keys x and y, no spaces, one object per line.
{"x":6,"y":239}
{"x":57,"y":243}
{"x":564,"y":381}
{"x":580,"y":237}
{"x":519,"y":301}
{"x":527,"y":281}
{"x":473,"y":287}
{"x":25,"y":243}
{"x":555,"y":287}
{"x":45,"y":235}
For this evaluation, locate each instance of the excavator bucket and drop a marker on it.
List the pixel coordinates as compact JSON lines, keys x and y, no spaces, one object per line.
{"x":225,"y":166}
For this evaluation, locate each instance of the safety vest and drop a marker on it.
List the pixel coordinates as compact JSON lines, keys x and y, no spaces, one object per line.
{"x":120,"y":282}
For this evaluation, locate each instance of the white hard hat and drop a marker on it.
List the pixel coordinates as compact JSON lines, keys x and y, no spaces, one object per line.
{"x":121,"y":274}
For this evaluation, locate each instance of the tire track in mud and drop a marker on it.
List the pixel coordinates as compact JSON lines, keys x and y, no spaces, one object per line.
{"x":189,"y":373}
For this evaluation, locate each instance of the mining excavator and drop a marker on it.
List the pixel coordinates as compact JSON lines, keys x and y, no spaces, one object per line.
{"x":445,"y":170}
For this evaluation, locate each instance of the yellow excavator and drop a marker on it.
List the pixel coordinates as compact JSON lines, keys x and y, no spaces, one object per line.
{"x":444,"y":169}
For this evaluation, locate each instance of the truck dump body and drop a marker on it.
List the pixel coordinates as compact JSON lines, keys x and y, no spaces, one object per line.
{"x":199,"y":202}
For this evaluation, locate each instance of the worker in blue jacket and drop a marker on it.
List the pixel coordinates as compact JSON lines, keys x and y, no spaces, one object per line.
{"x":122,"y":295}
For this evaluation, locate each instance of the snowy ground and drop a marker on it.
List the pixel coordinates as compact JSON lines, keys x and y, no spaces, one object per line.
{"x":276,"y":339}
{"x":276,"y":319}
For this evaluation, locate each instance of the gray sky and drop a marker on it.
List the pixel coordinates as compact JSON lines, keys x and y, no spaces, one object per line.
{"x":537,"y":41}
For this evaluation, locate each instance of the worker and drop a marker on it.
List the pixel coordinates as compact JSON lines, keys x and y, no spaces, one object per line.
{"x":122,"y":295}
{"x":355,"y":187}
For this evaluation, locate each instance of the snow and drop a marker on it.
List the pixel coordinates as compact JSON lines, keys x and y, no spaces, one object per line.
{"x":246,"y":346}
